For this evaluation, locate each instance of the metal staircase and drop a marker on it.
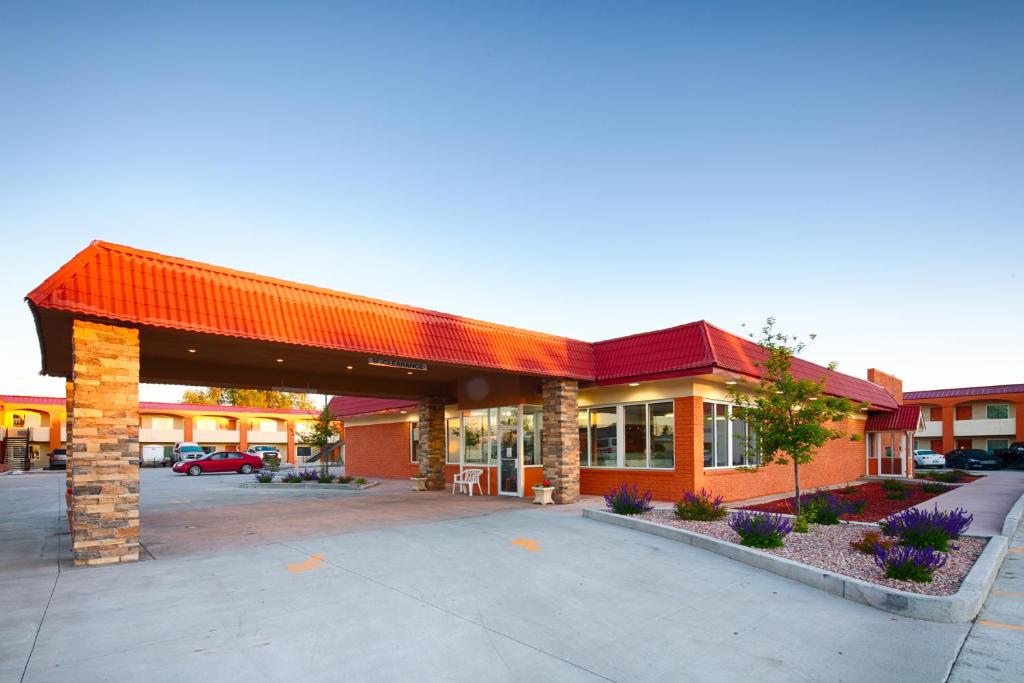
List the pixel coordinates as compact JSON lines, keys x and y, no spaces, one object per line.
{"x":15,"y":451}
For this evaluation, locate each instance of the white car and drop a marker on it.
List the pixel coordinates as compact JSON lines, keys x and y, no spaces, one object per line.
{"x":926,"y":458}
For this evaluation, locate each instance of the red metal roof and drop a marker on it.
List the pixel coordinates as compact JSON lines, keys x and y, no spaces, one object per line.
{"x":350,"y":406}
{"x":32,"y":400}
{"x":123,"y":284}
{"x":965,"y":391}
{"x":903,"y":419}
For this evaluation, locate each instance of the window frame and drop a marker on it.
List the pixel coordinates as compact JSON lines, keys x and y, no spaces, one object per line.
{"x":414,"y":439}
{"x":620,"y":436}
{"x":992,"y":449}
{"x":990,"y":406}
{"x":755,"y":459}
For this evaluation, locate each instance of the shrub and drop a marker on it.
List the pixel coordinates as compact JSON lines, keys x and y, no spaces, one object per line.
{"x":800,"y":525}
{"x":869,"y":541}
{"x":291,"y":478}
{"x":361,"y":481}
{"x":264,"y":477}
{"x":821,"y":507}
{"x":325,"y":479}
{"x":700,"y":506}
{"x":309,"y":475}
{"x":906,"y":563}
{"x":896,"y":495}
{"x":857,"y":505}
{"x":894,"y":485}
{"x":760,"y":529}
{"x":922,"y":529}
{"x":626,"y":499}
{"x":271,"y":462}
{"x":344,"y":480}
{"x":932,"y":487}
{"x":950,"y":477}
{"x":847,"y":490}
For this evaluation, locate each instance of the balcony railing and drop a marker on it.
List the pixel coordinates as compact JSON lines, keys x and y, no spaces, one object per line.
{"x":161,"y":435}
{"x":1005,"y":427}
{"x":268,"y":437}
{"x":215,"y":436}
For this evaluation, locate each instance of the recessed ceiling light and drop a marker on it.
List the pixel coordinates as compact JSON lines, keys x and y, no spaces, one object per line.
{"x":732,"y":381}
{"x":408,"y":372}
{"x":280,"y":360}
{"x":404,"y":412}
{"x":348,"y":367}
{"x":634,"y":384}
{"x":191,"y":350}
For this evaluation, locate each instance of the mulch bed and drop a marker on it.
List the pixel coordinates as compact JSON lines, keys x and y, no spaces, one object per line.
{"x":876,"y":505}
{"x":828,"y":547}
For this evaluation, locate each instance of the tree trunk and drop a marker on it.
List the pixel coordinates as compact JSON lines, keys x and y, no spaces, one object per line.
{"x":796,"y":485}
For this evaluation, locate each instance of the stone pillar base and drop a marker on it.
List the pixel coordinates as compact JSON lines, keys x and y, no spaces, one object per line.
{"x":560,"y":441}
{"x":431,"y":446}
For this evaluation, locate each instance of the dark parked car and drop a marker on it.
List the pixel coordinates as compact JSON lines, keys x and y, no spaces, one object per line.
{"x":58,"y":459}
{"x":1012,"y":456}
{"x":221,"y":461}
{"x":973,"y":459}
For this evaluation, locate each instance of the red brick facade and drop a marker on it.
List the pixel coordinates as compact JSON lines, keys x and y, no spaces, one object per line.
{"x":379,"y":450}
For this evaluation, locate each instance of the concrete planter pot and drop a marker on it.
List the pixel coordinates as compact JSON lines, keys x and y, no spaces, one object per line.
{"x":419,"y":483}
{"x":542,"y":495}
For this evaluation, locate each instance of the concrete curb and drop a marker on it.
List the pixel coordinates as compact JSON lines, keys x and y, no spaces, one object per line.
{"x":1013,"y":518}
{"x":962,"y":606}
{"x":307,"y":485}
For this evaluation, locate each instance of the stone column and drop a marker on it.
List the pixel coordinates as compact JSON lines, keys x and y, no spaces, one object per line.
{"x":689,"y":423}
{"x":69,"y":387}
{"x":431,"y":446}
{"x":105,"y":462}
{"x":560,"y":439}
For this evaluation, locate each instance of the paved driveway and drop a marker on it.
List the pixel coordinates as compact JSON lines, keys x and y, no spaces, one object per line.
{"x":459,"y":590}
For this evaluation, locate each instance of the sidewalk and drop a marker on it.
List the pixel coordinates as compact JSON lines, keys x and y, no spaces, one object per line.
{"x":994,"y":649}
{"x":988,"y":499}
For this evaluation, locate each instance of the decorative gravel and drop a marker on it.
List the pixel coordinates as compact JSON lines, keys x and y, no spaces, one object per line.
{"x":828,"y":547}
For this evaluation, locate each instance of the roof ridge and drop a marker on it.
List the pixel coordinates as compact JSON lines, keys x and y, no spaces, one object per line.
{"x":983,"y":386}
{"x":300,"y":286}
{"x":648,"y":332}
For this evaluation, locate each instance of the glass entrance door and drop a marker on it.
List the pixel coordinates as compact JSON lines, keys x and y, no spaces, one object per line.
{"x":508,"y":451}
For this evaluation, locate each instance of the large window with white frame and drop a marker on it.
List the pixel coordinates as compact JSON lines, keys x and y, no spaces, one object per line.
{"x":728,"y":442}
{"x":452,"y":433}
{"x":634,"y":435}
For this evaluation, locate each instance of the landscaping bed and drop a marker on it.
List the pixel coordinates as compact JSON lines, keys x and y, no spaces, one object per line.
{"x":828,"y":547}
{"x":878,"y":502}
{"x":307,"y":479}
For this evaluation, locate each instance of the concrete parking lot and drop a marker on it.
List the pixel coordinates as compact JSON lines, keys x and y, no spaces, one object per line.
{"x":389,"y":584}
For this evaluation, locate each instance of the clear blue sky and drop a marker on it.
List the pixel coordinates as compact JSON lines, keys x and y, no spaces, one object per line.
{"x":590,"y":169}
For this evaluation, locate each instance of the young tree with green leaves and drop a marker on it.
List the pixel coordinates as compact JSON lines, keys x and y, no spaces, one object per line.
{"x":791,"y":418}
{"x":258,"y":398}
{"x":321,"y":433}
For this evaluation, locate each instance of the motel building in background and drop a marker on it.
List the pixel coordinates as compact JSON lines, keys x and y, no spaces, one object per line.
{"x":986,"y":418}
{"x":650,"y":408}
{"x":32,"y":426}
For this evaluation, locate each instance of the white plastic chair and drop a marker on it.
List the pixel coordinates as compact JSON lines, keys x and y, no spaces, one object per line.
{"x":467,"y":478}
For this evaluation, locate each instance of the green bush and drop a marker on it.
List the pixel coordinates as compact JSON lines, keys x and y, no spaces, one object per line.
{"x":896,"y":495}
{"x":949,"y":477}
{"x":932,"y":487}
{"x":894,"y":485}
{"x":800,"y":525}
{"x":360,"y":481}
{"x":325,"y":479}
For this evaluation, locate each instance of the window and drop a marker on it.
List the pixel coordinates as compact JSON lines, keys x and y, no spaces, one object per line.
{"x":474,"y":437}
{"x":17,"y":420}
{"x":728,"y":441}
{"x":161,"y":422}
{"x":996,"y":444}
{"x":963,"y":413}
{"x":304,"y":452}
{"x":604,"y":437}
{"x":414,"y":443}
{"x":583,"y":420}
{"x":452,"y":433}
{"x":637,"y":435}
{"x":533,"y":427}
{"x":997,"y":411}
{"x":935,"y":414}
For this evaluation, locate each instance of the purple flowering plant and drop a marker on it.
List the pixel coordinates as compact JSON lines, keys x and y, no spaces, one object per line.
{"x":927,"y":529}
{"x":626,"y":499}
{"x":907,"y":563}
{"x":701,"y":506}
{"x":760,"y":529}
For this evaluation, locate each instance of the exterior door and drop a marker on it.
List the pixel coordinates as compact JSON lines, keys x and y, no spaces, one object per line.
{"x":964,"y":444}
{"x":509,"y":469}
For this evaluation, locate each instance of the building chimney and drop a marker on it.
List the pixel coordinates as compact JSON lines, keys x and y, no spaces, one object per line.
{"x":891,"y":383}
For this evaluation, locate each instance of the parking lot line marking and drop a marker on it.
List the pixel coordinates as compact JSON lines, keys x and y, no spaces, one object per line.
{"x":311,"y":562}
{"x":997,"y":624}
{"x":530,"y":545}
{"x":1009,"y":594}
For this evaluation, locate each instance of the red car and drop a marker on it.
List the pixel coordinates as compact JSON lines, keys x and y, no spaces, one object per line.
{"x":221,"y":461}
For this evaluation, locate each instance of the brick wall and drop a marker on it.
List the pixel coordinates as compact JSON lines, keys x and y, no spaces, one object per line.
{"x":839,"y":461}
{"x":379,"y":450}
